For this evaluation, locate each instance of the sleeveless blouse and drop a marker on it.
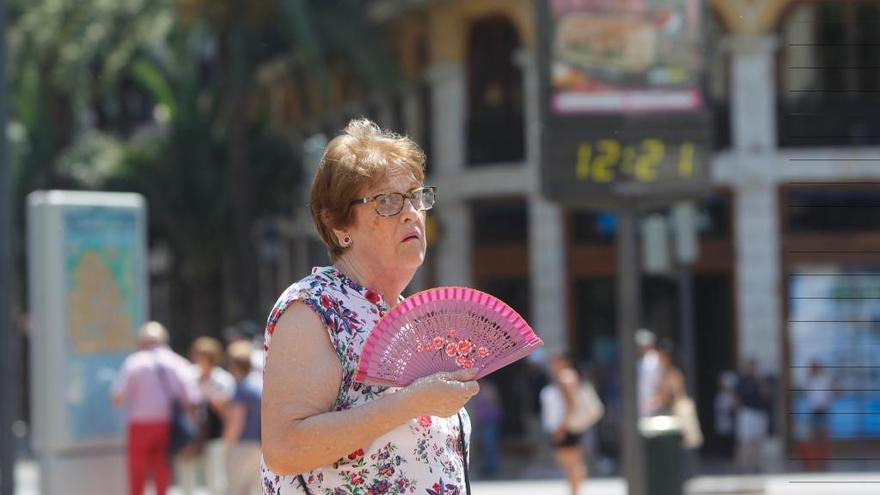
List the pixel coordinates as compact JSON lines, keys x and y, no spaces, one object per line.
{"x":421,"y":456}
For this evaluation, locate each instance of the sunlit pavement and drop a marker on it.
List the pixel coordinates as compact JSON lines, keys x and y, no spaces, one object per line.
{"x":27,"y":483}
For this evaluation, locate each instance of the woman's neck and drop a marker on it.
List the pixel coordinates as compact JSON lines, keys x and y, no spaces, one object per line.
{"x":387,"y":283}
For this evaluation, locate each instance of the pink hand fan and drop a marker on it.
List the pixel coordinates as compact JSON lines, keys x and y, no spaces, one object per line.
{"x":444,"y":329}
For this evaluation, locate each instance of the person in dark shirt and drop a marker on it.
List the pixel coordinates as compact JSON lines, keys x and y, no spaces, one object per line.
{"x":752,"y":417}
{"x":241,"y":433}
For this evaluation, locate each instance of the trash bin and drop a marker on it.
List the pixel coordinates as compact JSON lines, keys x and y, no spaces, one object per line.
{"x":664,"y":455}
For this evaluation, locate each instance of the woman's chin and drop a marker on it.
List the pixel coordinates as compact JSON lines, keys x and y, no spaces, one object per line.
{"x":412,"y":259}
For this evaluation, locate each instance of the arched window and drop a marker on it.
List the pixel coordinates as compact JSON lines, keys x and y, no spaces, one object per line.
{"x":495,"y":131}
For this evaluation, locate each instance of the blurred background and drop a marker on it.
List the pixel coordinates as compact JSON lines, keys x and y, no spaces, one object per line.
{"x":217,"y":111}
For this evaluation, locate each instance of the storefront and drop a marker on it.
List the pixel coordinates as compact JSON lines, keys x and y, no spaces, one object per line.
{"x":831,"y":263}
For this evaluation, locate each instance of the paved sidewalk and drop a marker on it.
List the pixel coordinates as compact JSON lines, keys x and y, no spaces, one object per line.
{"x":27,"y":483}
{"x":783,"y":484}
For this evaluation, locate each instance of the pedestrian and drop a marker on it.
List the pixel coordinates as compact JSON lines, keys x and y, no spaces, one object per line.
{"x":671,"y":399}
{"x":648,"y":371}
{"x":669,"y":386}
{"x":241,"y":430}
{"x":725,"y":414}
{"x":149,"y":381}
{"x":752,"y":418}
{"x":248,"y":331}
{"x":489,"y":415}
{"x":322,"y":431}
{"x":568,"y":409}
{"x":217,"y":387}
{"x":820,"y":390}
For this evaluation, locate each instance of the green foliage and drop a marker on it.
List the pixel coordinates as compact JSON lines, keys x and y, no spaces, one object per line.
{"x":74,"y":64}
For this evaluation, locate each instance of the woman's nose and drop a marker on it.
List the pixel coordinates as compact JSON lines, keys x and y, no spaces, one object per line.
{"x":410,"y":212}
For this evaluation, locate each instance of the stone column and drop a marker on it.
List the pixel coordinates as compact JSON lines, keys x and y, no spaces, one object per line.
{"x":453,"y":214}
{"x":753,"y":92}
{"x":449,"y":106}
{"x":454,"y":249}
{"x":547,"y":281}
{"x":758,"y":275}
{"x":754,"y":178}
{"x":547,"y":272}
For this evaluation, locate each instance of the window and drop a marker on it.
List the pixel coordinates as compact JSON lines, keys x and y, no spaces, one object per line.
{"x":717,"y":62}
{"x":500,"y":222}
{"x":495,"y":130}
{"x":833,"y":210}
{"x":829,"y":75}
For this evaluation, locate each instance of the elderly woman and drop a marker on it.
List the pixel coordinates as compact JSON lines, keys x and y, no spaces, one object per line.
{"x":322,"y":431}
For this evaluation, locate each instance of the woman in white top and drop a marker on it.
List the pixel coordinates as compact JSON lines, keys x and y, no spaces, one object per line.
{"x":566,"y":417}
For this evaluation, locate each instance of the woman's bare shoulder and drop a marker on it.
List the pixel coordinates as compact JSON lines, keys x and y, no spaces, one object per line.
{"x":303,"y":372}
{"x":299,"y":328}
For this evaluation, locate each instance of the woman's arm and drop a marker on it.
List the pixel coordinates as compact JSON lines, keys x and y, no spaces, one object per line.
{"x":302,"y":379}
{"x":568,"y":385}
{"x":233,"y":423}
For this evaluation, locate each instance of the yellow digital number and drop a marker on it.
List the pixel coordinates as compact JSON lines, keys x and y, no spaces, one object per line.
{"x":629,"y":157}
{"x":646,"y":165}
{"x":582,"y":168}
{"x":686,"y":160}
{"x":609,"y":155}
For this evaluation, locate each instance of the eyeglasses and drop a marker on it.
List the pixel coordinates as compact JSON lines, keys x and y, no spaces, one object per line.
{"x":390,"y":204}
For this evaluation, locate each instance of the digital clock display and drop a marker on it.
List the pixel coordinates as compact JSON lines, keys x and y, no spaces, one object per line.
{"x":647,"y":161}
{"x":581,"y":164}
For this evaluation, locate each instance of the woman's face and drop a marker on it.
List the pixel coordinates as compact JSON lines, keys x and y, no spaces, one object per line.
{"x":393,"y":243}
{"x":203,"y":362}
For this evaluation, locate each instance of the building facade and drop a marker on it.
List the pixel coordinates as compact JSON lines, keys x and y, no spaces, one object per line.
{"x":791,"y":224}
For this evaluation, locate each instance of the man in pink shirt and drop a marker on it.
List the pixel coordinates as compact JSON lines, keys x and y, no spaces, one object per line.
{"x":148,"y":382}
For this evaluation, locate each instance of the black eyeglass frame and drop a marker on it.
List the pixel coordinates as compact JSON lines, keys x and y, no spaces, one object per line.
{"x":409,"y":195}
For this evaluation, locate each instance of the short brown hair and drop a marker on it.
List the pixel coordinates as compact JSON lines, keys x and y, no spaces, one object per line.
{"x":240,"y":356}
{"x":359,"y":157}
{"x":208,"y":347}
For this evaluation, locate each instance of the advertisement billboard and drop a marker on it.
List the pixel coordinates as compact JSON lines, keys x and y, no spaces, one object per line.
{"x":88,"y":292}
{"x":624,"y":56}
{"x":622,"y":110}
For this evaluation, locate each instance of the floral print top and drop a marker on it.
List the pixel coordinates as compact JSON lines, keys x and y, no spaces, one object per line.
{"x":422,"y":456}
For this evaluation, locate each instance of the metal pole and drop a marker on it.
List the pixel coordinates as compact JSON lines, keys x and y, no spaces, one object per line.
{"x":8,"y":334}
{"x":628,"y":320}
{"x":688,"y":345}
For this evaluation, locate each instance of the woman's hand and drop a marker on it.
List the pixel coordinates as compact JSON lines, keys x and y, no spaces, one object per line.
{"x":441,"y":394}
